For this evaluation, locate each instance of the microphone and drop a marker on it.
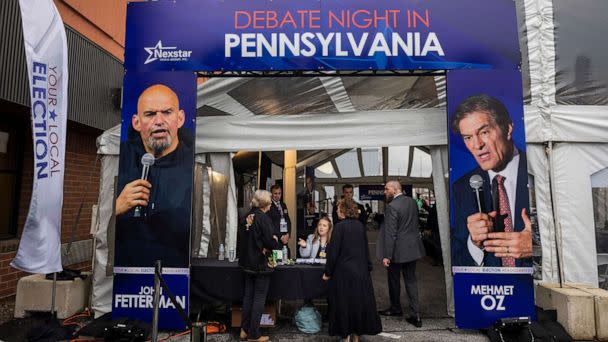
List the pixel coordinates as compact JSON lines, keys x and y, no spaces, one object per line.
{"x":147,"y":160}
{"x":476,"y":182}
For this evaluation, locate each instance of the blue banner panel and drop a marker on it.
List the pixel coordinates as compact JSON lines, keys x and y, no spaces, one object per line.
{"x":482,"y":298}
{"x":154,"y":189}
{"x":371,"y":192}
{"x":157,"y":120}
{"x":133,"y":296}
{"x":321,"y":35}
{"x":489,"y":204}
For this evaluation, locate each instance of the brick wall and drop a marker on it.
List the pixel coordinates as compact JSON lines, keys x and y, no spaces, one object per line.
{"x":81,"y":184}
{"x":8,"y":275}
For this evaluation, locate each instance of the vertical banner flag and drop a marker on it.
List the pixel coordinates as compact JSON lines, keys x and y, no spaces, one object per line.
{"x":47,"y":65}
{"x":154,"y":194}
{"x":491,"y":230}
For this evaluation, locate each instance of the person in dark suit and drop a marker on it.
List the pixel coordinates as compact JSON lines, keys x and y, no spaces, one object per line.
{"x":401,"y":247}
{"x":279,"y":216}
{"x":499,"y":234}
{"x":348,"y":194}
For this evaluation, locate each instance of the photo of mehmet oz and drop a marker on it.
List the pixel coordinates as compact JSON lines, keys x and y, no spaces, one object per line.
{"x":500,"y":234}
{"x":162,"y":230}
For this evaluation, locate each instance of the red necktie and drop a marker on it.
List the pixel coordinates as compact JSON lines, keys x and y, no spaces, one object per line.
{"x":505,"y":212}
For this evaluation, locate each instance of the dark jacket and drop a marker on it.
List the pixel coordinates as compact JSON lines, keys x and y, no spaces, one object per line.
{"x":275,"y":217}
{"x":401,"y":234}
{"x":465,"y":203}
{"x":163,"y":231}
{"x":253,"y":240}
{"x":348,"y":250}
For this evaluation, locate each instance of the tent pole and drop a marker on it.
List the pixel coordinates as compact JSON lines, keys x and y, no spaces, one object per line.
{"x":289,"y":194}
{"x":259,"y":168}
{"x":54,"y":292}
{"x":384,"y":165}
{"x":556,"y":223}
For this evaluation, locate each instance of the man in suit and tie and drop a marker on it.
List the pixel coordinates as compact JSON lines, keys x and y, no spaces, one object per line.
{"x":279,"y":215}
{"x":500,"y":233}
{"x":348,"y":193}
{"x":401,"y":247}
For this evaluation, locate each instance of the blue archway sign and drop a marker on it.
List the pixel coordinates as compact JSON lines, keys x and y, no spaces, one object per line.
{"x":321,"y":35}
{"x":234,"y":36}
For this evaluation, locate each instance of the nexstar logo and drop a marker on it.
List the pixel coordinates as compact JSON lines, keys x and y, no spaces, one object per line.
{"x":166,"y":53}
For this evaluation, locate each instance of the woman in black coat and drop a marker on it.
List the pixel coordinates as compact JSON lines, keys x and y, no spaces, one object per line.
{"x":256,"y":243}
{"x":352,"y":306}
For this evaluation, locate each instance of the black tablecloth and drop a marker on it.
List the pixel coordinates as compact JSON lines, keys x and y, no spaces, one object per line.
{"x":214,"y":280}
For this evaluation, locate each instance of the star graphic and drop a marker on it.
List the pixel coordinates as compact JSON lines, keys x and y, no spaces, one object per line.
{"x":52,"y":114}
{"x":158,"y":47}
{"x":150,"y":51}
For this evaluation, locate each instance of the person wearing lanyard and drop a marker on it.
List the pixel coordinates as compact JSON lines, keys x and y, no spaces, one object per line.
{"x":278,"y":214}
{"x":315,"y":244}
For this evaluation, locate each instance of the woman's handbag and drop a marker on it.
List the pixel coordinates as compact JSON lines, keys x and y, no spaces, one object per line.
{"x":308,"y":319}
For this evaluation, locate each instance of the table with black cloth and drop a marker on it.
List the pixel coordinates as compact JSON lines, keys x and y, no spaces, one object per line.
{"x":213,"y":280}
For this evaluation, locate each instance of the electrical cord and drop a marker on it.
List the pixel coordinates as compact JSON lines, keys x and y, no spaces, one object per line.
{"x":172,"y":336}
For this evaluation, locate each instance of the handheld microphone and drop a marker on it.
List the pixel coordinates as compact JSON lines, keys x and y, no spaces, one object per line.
{"x":476,"y":182}
{"x":147,"y":160}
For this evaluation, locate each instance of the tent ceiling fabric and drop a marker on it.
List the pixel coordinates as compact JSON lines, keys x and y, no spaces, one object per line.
{"x":313,"y":113}
{"x":315,"y":95}
{"x":330,"y":131}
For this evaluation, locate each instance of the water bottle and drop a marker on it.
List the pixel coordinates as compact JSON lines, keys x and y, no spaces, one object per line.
{"x":220,"y":255}
{"x":285,"y":253}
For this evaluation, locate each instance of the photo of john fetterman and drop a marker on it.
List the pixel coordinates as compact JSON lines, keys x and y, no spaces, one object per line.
{"x":500,"y":234}
{"x":162,"y":231}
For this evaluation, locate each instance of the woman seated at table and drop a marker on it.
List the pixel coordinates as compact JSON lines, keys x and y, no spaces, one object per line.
{"x":314,"y":246}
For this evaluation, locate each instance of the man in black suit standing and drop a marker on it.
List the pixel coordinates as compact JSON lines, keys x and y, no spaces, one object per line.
{"x":401,"y":248}
{"x":279,"y":216}
{"x":496,"y":231}
{"x":348,"y":193}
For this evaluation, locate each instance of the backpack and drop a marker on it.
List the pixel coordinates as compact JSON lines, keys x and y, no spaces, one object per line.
{"x":308,"y":319}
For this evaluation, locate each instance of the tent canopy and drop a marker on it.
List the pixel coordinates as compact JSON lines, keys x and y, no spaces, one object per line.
{"x":566,"y":116}
{"x":311,"y":113}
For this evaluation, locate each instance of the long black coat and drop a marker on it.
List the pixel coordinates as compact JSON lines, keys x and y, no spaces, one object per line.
{"x":350,"y":293}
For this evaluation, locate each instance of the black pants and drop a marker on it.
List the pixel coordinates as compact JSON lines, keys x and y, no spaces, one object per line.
{"x":394,"y":270}
{"x":256,"y":289}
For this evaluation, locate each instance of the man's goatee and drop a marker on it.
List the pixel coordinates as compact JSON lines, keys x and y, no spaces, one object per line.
{"x":158,"y":146}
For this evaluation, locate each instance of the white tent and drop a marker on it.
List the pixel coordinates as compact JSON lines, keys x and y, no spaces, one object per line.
{"x":566,"y":116}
